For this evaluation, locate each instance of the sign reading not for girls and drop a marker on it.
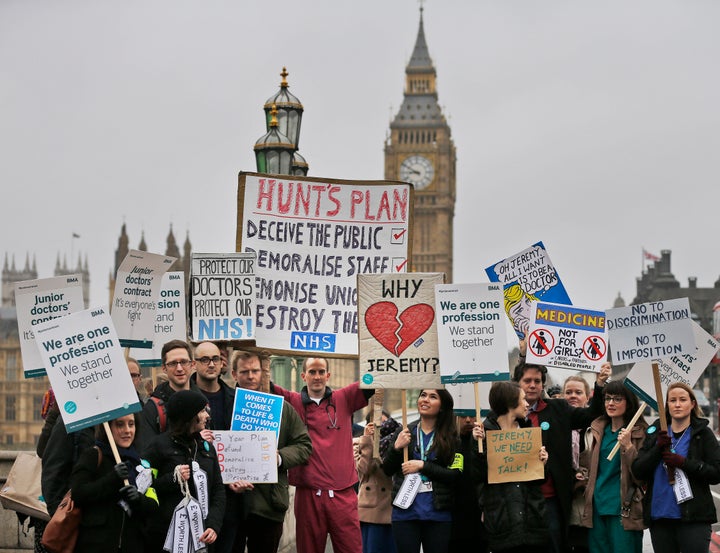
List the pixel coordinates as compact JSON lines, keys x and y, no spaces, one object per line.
{"x":398,"y":331}
{"x":312,"y":238}
{"x":650,"y":331}
{"x":137,"y":290}
{"x":566,"y":337}
{"x":87,"y":370}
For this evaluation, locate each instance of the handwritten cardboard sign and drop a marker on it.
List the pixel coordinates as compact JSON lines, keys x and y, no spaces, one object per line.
{"x":38,"y":301}
{"x":398,"y":330}
{"x":514,"y":455}
{"x":87,"y":369}
{"x":312,"y":238}
{"x":648,"y":331}
{"x":256,"y":411}
{"x":250,"y":456}
{"x":471,"y":332}
{"x":526,"y":277}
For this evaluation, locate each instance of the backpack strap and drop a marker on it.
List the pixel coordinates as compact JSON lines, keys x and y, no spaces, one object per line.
{"x":162,"y":413}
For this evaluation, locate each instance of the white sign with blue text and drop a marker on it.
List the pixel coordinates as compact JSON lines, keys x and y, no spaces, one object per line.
{"x":256,"y":411}
{"x":249,"y":456}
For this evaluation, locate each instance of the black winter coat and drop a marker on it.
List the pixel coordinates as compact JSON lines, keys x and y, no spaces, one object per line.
{"x":702,"y":466}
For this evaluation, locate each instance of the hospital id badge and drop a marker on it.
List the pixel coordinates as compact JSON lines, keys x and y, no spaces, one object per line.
{"x":425,"y":487}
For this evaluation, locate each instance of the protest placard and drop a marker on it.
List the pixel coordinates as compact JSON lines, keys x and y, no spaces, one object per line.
{"x":38,"y":301}
{"x":566,"y":337}
{"x":87,"y":370}
{"x":398,"y":331}
{"x":137,"y":290}
{"x":312,"y":238}
{"x":514,"y":455}
{"x":222,"y":296}
{"x":650,"y":331}
{"x":250,"y":456}
{"x":683,"y":367}
{"x":527,"y":276}
{"x":256,"y":411}
{"x":463,"y":395}
{"x":170,"y":320}
{"x":471,"y":332}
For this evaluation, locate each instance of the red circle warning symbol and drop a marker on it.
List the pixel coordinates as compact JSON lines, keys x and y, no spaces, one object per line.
{"x":542,"y":342}
{"x":594,"y":347}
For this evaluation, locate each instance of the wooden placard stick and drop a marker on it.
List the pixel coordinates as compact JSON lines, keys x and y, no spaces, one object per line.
{"x":377,"y":406}
{"x":477,"y":412}
{"x":114,"y":448}
{"x":404,"y":421}
{"x":661,"y":413}
{"x":630,"y":425}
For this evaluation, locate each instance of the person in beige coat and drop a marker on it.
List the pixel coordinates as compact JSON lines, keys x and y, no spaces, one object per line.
{"x":375,"y":489}
{"x":613,"y":507}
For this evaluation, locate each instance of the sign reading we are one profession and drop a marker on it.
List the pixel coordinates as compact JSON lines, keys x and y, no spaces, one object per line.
{"x":312,"y":238}
{"x":38,"y":301}
{"x":567,"y":337}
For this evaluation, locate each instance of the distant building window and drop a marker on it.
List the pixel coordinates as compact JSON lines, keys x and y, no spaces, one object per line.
{"x":11,"y":360}
{"x":9,"y":439}
{"x":11,"y":374}
{"x":10,"y":408}
{"x":37,"y":408}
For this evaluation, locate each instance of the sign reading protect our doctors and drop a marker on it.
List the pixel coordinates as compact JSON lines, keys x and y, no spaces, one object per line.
{"x":39,"y":301}
{"x":87,"y":370}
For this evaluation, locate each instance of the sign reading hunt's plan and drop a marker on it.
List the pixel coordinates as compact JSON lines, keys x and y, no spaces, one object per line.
{"x":170,"y":320}
{"x":256,"y":411}
{"x":38,"y":301}
{"x":526,"y":277}
{"x":398,"y":331}
{"x":650,"y":331}
{"x":87,"y":370}
{"x":137,"y":290}
{"x":471,"y":332}
{"x":566,"y":337}
{"x":313,"y":237}
{"x":222,"y":296}
{"x":514,"y":455}
{"x":682,"y":367}
{"x":250,"y":456}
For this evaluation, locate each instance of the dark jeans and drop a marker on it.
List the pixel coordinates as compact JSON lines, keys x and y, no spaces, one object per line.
{"x":261,"y":535}
{"x":434,"y":536}
{"x":667,"y":536}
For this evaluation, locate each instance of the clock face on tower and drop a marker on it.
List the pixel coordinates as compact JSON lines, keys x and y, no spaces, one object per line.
{"x":417,"y":170}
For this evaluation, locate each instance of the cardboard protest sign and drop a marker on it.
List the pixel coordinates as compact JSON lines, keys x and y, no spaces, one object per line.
{"x":682,"y":367}
{"x":398,"y":331}
{"x":514,"y":455}
{"x":170,"y":320}
{"x":312,"y":238}
{"x":566,"y":337}
{"x":250,"y":456}
{"x":87,"y":369}
{"x":222,"y":296}
{"x":471,"y":332}
{"x":38,"y":301}
{"x":256,"y":411}
{"x":526,"y":277}
{"x":463,"y":395}
{"x":647,"y":331}
{"x":137,"y":290}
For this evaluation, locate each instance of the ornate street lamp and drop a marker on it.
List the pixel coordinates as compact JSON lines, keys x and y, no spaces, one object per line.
{"x":274,"y":151}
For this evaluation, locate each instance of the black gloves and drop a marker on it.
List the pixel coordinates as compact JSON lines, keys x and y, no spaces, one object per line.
{"x":121,"y":471}
{"x":130,"y":494}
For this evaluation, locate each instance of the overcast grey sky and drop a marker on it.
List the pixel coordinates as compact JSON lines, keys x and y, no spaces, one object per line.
{"x":592,"y":126}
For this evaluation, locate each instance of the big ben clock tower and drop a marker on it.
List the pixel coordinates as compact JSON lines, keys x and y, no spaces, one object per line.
{"x":420,"y":150}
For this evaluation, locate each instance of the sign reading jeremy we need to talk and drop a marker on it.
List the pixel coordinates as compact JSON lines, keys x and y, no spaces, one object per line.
{"x":87,"y":369}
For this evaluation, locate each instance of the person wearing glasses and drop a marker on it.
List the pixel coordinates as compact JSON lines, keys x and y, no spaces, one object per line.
{"x":220,"y":396}
{"x":613,"y":508}
{"x":325,"y":498}
{"x":137,"y":380}
{"x":177,"y":365}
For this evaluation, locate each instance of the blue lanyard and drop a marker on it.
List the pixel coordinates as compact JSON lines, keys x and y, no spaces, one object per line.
{"x":421,"y":443}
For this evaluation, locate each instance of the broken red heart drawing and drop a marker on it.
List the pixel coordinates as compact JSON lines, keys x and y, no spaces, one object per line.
{"x":397,"y":333}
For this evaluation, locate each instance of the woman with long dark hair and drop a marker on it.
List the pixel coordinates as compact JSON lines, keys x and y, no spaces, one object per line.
{"x":613,"y":511}
{"x":679,"y":516}
{"x":422,"y":486}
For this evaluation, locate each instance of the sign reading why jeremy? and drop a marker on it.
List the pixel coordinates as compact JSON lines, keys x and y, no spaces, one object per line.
{"x":250,"y":456}
{"x":471,"y":332}
{"x":137,"y":290}
{"x":683,"y":367}
{"x":566,"y":337}
{"x":514,"y":455}
{"x":222,"y":296}
{"x":398,"y":331}
{"x":312,"y":238}
{"x":170,"y":320}
{"x":86,"y":367}
{"x":650,"y":331}
{"x":38,"y":301}
{"x":256,"y":411}
{"x":526,"y":277}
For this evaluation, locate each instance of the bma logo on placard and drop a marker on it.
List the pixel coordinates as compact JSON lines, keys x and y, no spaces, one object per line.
{"x":312,"y":341}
